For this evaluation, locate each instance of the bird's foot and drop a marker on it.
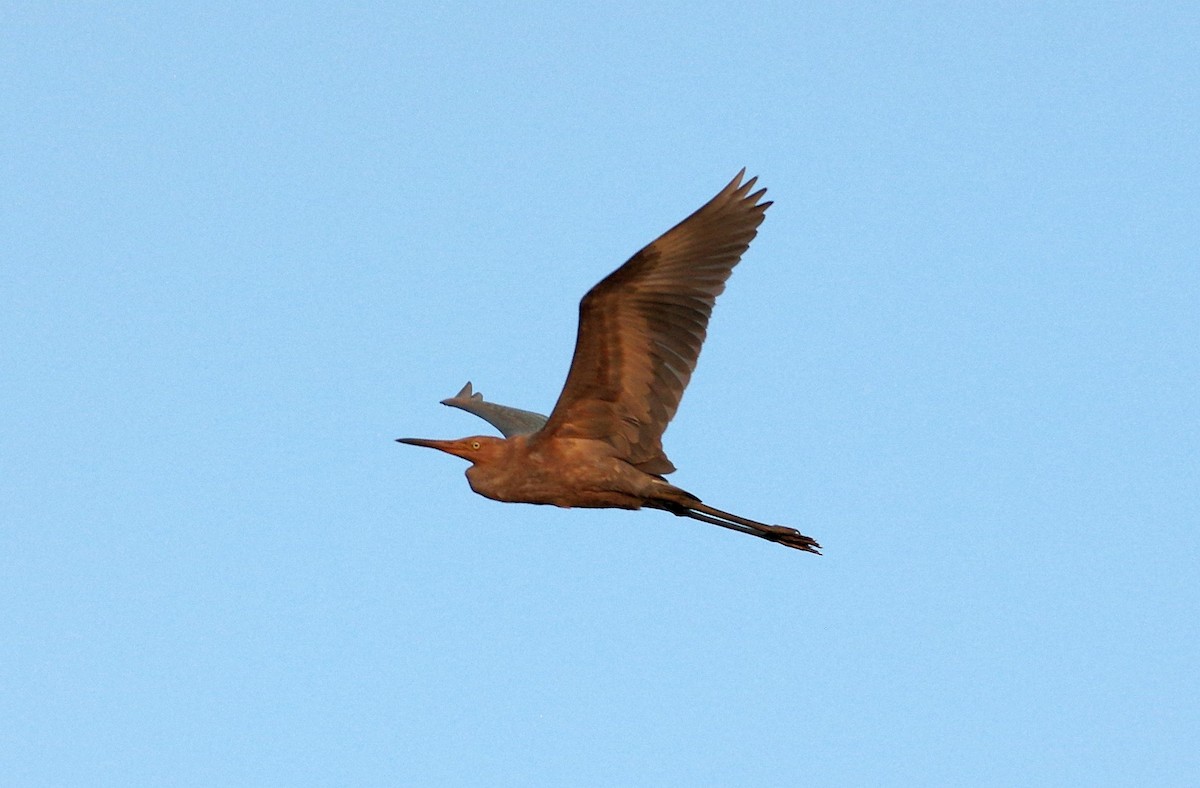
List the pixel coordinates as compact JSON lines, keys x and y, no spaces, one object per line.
{"x":791,"y":537}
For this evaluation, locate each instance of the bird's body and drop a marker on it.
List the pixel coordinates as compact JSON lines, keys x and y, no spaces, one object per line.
{"x":567,"y":472}
{"x":570,"y":472}
{"x":640,"y":333}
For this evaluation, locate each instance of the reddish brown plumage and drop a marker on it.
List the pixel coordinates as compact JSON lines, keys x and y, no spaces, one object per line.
{"x":640,"y":333}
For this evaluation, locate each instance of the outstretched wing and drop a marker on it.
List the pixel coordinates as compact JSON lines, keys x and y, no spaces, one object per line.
{"x":641,"y":328}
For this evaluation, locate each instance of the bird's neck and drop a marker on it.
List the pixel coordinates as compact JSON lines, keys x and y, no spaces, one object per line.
{"x":492,"y":474}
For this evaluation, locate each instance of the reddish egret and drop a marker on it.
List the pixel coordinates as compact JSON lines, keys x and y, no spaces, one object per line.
{"x":640,"y":332}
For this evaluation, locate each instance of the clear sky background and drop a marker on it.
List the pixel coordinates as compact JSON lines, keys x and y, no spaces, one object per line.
{"x":244,"y":249}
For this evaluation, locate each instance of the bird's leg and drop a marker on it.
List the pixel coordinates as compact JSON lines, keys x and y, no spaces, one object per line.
{"x":680,"y":511}
{"x":776,"y":533}
{"x":772,"y":533}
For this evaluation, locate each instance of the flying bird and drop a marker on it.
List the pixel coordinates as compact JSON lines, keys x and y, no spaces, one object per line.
{"x":640,"y":333}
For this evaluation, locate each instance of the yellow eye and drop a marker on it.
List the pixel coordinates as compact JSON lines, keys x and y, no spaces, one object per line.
{"x":474,"y":444}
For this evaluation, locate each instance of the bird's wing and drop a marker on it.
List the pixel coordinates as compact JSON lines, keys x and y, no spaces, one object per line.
{"x":641,"y":328}
{"x":510,"y":421}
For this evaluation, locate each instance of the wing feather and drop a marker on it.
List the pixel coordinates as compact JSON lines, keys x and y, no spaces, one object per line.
{"x":641,"y":329}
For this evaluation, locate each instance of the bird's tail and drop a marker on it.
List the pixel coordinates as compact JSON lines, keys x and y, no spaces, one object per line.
{"x":697,"y":510}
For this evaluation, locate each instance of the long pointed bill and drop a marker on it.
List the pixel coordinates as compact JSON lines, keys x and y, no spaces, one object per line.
{"x":450,"y":447}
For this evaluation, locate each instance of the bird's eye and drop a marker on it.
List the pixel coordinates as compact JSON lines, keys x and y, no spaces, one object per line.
{"x":474,"y":444}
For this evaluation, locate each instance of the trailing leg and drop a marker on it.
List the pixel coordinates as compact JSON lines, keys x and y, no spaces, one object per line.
{"x":697,"y":510}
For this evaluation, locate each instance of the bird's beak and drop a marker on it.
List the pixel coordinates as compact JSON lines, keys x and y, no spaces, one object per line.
{"x":450,"y":447}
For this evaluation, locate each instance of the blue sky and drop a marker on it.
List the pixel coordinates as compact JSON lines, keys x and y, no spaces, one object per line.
{"x":244,"y":249}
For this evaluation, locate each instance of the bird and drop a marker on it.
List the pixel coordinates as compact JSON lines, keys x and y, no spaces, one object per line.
{"x":639,"y":336}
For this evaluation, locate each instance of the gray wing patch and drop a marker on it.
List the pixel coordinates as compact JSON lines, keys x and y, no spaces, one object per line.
{"x":510,"y":421}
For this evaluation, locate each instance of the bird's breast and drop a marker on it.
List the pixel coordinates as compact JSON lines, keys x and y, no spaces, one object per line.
{"x":568,"y":473}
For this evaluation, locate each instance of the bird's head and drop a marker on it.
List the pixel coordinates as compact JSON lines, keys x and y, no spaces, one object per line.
{"x":476,"y":449}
